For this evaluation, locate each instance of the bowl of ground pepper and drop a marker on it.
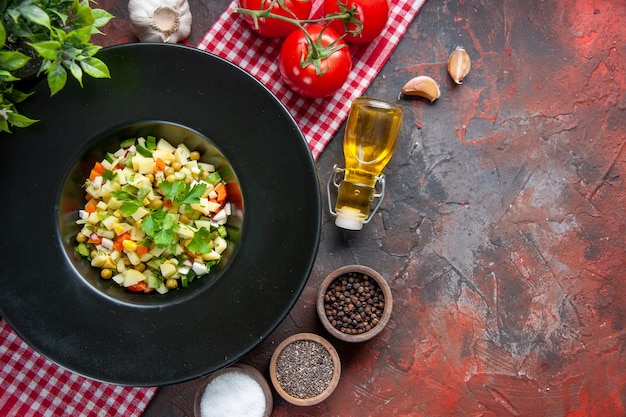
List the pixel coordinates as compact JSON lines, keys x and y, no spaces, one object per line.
{"x":305,"y":369}
{"x":354,"y":303}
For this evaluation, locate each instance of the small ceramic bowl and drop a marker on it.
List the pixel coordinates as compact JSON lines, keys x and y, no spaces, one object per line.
{"x":354,"y":312}
{"x":242,"y":370}
{"x":305,"y":369}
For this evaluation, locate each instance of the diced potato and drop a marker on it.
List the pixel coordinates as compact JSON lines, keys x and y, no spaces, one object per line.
{"x":93,"y":218}
{"x":110,"y":222}
{"x":121,"y":266}
{"x":119,"y":279}
{"x":142,"y":164}
{"x":168,"y":269}
{"x":162,"y":289}
{"x":133,"y":277}
{"x":109,"y":263}
{"x":202,"y":206}
{"x":220,"y":244}
{"x":93,"y":191}
{"x":99,"y":260}
{"x":157,"y":251}
{"x":121,"y":176}
{"x":121,"y":228}
{"x":211,"y":256}
{"x":185,"y":232}
{"x":206,"y":207}
{"x":137,"y":234}
{"x":206,"y":167}
{"x":181,"y":154}
{"x":133,"y":258}
{"x":165,"y":155}
{"x":163,"y":145}
{"x":145,"y":257}
{"x":109,"y":234}
{"x":203,"y":223}
{"x":114,"y":203}
{"x":140,"y":214}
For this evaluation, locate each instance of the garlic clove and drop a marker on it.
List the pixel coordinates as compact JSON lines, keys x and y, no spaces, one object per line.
{"x":422,"y":86}
{"x":459,"y":64}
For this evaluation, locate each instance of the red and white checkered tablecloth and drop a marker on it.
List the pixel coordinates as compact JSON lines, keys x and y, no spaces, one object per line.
{"x":31,"y":385}
{"x":319,"y":119}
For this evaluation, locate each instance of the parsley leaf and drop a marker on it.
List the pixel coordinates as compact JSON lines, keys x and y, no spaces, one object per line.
{"x":182,"y":193}
{"x":194,"y":194}
{"x":161,"y":227}
{"x":128,"y":208}
{"x":172,"y":189}
{"x":201,"y":242}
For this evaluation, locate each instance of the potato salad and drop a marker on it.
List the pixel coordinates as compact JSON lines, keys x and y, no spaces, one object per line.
{"x":155,"y":217}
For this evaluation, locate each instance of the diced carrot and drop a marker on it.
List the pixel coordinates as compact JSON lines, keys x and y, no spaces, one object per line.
{"x":159,"y":165}
{"x":138,"y":287}
{"x":221,"y":193}
{"x":90,"y":207}
{"x":142,"y":250}
{"x":95,"y":239}
{"x":167,"y":203}
{"x":118,"y":243}
{"x":98,"y":169}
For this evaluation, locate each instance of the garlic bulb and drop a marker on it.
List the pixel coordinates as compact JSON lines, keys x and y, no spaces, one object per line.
{"x":160,"y":20}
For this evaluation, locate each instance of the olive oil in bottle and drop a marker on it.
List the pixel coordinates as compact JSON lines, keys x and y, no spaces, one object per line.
{"x":369,"y":142}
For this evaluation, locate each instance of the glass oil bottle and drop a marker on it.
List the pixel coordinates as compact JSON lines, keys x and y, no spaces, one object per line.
{"x":369,"y":142}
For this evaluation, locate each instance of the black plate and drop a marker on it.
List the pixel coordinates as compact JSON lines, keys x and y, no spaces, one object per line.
{"x":186,"y":333}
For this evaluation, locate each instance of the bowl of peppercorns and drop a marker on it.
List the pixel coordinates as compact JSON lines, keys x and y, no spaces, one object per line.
{"x":354,"y":303}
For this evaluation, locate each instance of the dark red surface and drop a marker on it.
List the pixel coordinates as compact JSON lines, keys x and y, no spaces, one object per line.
{"x":502,"y":233}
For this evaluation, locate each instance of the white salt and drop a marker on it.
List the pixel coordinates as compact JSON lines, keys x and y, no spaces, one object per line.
{"x":232,"y":395}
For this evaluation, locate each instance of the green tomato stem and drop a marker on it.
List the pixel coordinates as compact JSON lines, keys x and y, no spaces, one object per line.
{"x":316,"y":51}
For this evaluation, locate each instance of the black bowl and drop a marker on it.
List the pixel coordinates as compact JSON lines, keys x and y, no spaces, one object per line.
{"x":72,"y":198}
{"x":54,"y":301}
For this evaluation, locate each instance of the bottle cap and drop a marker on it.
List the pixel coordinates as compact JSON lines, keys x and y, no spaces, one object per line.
{"x":350,"y":219}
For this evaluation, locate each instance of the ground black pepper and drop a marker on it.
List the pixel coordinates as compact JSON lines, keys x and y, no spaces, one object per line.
{"x":354,"y":303}
{"x":304,"y":368}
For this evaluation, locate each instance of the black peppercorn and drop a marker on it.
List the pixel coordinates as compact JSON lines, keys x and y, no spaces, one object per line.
{"x":358,"y":303}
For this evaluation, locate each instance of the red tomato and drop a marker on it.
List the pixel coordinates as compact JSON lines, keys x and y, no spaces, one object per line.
{"x":373,"y":14}
{"x":275,"y":28}
{"x":301,"y":75}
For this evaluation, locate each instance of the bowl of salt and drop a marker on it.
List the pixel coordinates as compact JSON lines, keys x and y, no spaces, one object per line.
{"x":239,"y":390}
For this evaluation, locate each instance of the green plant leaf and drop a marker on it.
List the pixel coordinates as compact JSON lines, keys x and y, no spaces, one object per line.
{"x":95,"y":68}
{"x":6,"y":76}
{"x":57,"y":78}
{"x":79,"y":36}
{"x":102,"y":17}
{"x":12,"y":60}
{"x":47,"y":49}
{"x":75,"y":71}
{"x":34,"y":14}
{"x":83,"y":16}
{"x":3,"y":34}
{"x":4,"y":126}
{"x":19,"y":120}
{"x":16,"y":96}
